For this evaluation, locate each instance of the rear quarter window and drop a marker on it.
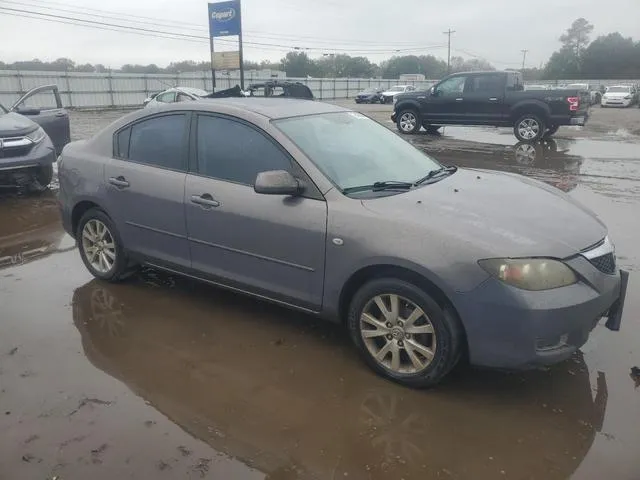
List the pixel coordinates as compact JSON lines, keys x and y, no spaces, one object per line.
{"x":121,"y":143}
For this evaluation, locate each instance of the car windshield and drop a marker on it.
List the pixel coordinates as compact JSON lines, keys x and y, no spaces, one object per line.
{"x":369,"y":90}
{"x":396,"y":88}
{"x":619,"y":89}
{"x":352,"y":150}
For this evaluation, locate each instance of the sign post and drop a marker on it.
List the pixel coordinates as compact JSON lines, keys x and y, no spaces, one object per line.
{"x":225,"y":20}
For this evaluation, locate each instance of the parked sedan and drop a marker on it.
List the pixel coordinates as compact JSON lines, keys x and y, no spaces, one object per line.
{"x":618,"y":96}
{"x":370,"y":95}
{"x":321,"y":209}
{"x":389,"y":96}
{"x":176,"y":94}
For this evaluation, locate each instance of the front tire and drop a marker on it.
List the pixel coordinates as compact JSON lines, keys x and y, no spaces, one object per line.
{"x":403,"y":334}
{"x":408,"y":122}
{"x":529,"y":128}
{"x":100,"y":246}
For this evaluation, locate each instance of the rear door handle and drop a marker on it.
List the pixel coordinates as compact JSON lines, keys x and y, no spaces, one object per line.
{"x":119,"y":182}
{"x":61,"y":114}
{"x":459,"y":99}
{"x":493,"y":99}
{"x":204,"y":200}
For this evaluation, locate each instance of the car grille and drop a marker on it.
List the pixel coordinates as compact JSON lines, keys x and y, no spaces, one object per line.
{"x":605,"y":263}
{"x":14,"y":147}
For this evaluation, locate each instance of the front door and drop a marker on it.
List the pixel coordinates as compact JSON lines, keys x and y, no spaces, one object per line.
{"x":268,"y":245}
{"x":483,"y":99}
{"x":145,"y":188}
{"x":43,"y":105}
{"x":444,"y":104}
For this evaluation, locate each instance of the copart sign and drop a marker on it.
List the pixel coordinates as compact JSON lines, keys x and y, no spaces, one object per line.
{"x":224,"y":19}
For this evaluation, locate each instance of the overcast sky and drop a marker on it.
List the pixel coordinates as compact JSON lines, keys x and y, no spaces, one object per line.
{"x":496,"y":30}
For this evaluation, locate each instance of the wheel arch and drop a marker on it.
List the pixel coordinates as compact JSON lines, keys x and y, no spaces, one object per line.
{"x":80,"y":208}
{"x":407,"y":104}
{"x":535,"y":108}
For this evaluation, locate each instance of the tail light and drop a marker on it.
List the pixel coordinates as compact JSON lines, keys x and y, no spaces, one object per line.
{"x":574,"y":103}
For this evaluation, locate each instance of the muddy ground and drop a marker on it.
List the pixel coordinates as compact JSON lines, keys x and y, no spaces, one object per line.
{"x":164,"y":378}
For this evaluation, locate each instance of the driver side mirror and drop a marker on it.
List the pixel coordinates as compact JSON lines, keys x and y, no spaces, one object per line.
{"x":433,"y":91}
{"x":278,"y":182}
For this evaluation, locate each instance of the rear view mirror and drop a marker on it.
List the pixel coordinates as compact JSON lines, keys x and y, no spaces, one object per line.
{"x":28,"y":111}
{"x":278,"y":182}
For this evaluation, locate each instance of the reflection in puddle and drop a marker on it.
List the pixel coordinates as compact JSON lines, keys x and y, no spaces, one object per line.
{"x":287,"y":395}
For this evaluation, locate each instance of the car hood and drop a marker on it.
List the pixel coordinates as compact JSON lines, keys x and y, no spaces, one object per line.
{"x":366,"y":94}
{"x":392,"y":92}
{"x":502,"y":214}
{"x":13,"y":124}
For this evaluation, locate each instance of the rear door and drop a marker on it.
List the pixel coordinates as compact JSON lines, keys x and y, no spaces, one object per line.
{"x":145,"y":187}
{"x":483,"y":98}
{"x":267,"y":244}
{"x":43,"y":105}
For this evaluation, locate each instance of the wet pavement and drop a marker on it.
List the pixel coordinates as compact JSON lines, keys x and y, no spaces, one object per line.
{"x":161,"y":377}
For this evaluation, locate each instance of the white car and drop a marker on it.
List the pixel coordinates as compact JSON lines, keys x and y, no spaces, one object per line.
{"x":389,"y":96}
{"x":595,"y":94}
{"x":618,"y":96}
{"x":175,"y":94}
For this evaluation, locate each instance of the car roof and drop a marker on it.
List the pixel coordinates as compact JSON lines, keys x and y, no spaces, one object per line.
{"x":274,"y":108}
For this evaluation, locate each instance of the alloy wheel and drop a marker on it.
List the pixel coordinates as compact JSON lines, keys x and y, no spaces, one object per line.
{"x":99,"y":246}
{"x":398,"y":334}
{"x":529,"y":128}
{"x":408,"y":122}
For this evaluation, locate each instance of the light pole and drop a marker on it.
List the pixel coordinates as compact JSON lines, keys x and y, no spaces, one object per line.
{"x":449,"y":33}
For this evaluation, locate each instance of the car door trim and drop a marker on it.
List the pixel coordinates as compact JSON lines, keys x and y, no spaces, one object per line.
{"x":254,"y":255}
{"x":226,"y":286}
{"x":156,"y":230}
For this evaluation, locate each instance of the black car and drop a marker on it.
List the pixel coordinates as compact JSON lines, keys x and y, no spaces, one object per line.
{"x":370,"y":95}
{"x":275,"y":88}
{"x":491,"y":98}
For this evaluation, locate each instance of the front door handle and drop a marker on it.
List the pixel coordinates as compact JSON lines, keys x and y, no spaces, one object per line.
{"x":61,"y":114}
{"x":204,"y":200}
{"x":459,"y":99}
{"x":493,"y":99}
{"x":119,"y":182}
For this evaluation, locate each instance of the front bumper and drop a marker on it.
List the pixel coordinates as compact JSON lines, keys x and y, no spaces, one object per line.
{"x":516,"y":329}
{"x":40,"y":155}
{"x":617,"y":102}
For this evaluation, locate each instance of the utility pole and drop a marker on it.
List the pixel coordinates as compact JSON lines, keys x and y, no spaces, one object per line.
{"x":449,"y":33}
{"x":524,"y":58}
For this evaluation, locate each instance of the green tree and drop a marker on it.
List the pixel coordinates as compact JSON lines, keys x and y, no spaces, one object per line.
{"x":611,"y":56}
{"x":427,"y":65}
{"x":576,"y":38}
{"x":459,"y":64}
{"x":298,"y":64}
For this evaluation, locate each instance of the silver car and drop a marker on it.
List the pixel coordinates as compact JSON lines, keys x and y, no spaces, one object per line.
{"x":322,"y":209}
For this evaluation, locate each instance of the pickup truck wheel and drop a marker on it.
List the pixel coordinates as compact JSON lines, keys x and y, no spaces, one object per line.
{"x":551,"y":130}
{"x":403,"y":334}
{"x":100,"y":247}
{"x":529,"y":128}
{"x":408,"y":122}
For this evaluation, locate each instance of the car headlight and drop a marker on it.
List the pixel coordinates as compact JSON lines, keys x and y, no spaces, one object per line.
{"x":530,"y":273}
{"x":37,"y":135}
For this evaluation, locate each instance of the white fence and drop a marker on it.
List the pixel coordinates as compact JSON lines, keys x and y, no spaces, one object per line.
{"x":121,"y":90}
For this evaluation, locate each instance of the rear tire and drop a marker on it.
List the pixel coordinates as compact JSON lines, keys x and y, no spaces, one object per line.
{"x":408,"y":122}
{"x":529,"y":128}
{"x":416,"y":353}
{"x":101,"y":248}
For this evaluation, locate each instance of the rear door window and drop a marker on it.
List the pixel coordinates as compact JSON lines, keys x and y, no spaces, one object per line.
{"x":158,"y":141}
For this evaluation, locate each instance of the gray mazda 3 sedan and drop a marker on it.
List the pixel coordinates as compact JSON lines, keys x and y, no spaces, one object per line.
{"x":322,"y":209}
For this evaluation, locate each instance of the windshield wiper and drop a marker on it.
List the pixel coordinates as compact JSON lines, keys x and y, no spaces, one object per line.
{"x":435,"y":173}
{"x":380,"y":186}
